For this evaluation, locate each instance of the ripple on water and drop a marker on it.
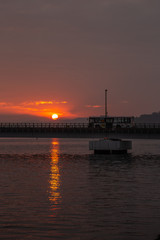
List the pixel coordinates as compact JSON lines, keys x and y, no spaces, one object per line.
{"x":55,"y":193}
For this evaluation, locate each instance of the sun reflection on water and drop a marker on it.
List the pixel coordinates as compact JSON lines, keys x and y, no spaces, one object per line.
{"x":55,"y":175}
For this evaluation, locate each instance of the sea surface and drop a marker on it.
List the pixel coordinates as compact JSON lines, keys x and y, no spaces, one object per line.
{"x":58,"y":189}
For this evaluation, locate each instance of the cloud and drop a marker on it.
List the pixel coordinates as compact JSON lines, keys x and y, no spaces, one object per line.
{"x":4,"y":104}
{"x":43,"y":102}
{"x":34,"y":103}
{"x":40,"y":108}
{"x":93,"y":106}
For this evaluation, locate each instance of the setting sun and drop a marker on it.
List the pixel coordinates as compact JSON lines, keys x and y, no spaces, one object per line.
{"x":54,"y":116}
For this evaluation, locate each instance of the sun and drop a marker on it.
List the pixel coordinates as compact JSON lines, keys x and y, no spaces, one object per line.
{"x":54,"y":116}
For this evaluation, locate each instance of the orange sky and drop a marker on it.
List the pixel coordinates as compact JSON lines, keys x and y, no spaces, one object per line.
{"x":38,"y":108}
{"x":60,"y":56}
{"x":43,"y":108}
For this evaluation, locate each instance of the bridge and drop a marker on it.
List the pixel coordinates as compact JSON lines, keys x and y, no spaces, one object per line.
{"x":77,"y":130}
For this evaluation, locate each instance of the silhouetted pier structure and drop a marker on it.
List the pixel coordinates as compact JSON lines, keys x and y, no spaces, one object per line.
{"x":77,"y":130}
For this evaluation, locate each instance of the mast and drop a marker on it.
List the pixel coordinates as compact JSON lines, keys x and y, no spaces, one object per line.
{"x":106,"y":113}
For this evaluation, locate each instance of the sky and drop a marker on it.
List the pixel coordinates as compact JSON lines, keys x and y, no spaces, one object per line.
{"x":59,"y":56}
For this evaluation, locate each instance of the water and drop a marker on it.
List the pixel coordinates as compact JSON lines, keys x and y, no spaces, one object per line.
{"x":57,"y":189}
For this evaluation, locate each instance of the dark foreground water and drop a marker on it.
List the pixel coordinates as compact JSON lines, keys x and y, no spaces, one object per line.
{"x":57,"y":189}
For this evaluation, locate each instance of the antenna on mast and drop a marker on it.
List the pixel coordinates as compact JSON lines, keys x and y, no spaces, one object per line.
{"x":106,"y":113}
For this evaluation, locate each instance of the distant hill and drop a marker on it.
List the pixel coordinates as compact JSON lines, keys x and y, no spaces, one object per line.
{"x":145,"y":118}
{"x":148,"y":118}
{"x":22,"y":118}
{"x":73,"y":120}
{"x":37,"y":119}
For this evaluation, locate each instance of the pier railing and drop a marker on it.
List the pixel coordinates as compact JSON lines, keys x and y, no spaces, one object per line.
{"x":142,"y":130}
{"x":43,"y":125}
{"x":68,"y":125}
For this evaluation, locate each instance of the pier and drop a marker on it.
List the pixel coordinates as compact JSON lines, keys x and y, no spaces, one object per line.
{"x":77,"y":130}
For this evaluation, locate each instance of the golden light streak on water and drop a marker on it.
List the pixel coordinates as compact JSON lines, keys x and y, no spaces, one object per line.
{"x":55,"y":175}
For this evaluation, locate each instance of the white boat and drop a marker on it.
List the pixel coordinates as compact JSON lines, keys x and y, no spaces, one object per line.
{"x":110,"y":146}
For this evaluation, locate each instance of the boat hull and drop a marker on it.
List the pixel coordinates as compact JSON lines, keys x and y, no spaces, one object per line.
{"x":113,"y":146}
